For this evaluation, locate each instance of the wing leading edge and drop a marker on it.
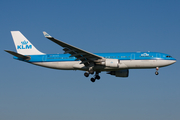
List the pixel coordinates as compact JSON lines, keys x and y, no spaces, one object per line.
{"x":86,"y":57}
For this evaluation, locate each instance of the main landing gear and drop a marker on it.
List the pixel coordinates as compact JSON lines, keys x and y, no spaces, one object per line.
{"x":157,"y":68}
{"x":93,"y":79}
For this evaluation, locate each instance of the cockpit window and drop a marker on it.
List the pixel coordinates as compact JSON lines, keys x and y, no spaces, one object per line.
{"x":168,"y":56}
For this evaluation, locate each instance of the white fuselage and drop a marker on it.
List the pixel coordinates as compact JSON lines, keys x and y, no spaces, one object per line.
{"x":124,"y":64}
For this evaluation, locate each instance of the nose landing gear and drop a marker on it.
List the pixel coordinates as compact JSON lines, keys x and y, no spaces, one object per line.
{"x":157,"y":68}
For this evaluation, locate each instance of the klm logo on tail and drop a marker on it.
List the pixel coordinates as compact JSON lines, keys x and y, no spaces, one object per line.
{"x":24,"y":45}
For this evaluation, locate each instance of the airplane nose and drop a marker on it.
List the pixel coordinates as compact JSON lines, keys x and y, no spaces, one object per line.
{"x":173,"y":61}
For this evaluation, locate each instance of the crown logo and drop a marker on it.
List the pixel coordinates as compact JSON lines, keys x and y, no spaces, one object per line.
{"x":144,"y":54}
{"x":24,"y":42}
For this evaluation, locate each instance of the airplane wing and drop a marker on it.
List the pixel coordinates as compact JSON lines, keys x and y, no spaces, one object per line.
{"x":84,"y":56}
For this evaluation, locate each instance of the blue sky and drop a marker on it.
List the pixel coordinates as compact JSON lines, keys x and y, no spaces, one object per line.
{"x":30,"y":92}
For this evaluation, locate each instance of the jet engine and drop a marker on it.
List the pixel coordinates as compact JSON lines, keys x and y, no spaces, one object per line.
{"x":109,"y":62}
{"x":120,"y":73}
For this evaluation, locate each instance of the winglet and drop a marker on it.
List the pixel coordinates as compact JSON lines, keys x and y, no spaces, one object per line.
{"x":46,"y":34}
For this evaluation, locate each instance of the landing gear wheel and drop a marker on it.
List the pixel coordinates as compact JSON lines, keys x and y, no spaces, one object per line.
{"x":97,"y":77}
{"x":86,"y":74}
{"x":157,"y":68}
{"x":92,"y":80}
{"x":156,"y":73}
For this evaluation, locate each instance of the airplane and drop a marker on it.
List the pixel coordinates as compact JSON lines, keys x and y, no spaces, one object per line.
{"x":74,"y":58}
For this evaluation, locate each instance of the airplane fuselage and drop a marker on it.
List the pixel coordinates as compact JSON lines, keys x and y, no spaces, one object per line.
{"x":131,"y":60}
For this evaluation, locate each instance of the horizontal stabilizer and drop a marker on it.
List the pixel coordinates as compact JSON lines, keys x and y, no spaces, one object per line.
{"x":18,"y":55}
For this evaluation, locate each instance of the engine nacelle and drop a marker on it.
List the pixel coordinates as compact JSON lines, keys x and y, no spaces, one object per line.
{"x":109,"y":62}
{"x":112,"y":62}
{"x":120,"y":73}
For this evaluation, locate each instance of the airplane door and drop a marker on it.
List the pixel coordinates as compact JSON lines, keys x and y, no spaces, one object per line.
{"x":132,"y":56}
{"x":44,"y":58}
{"x":158,"y":55}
